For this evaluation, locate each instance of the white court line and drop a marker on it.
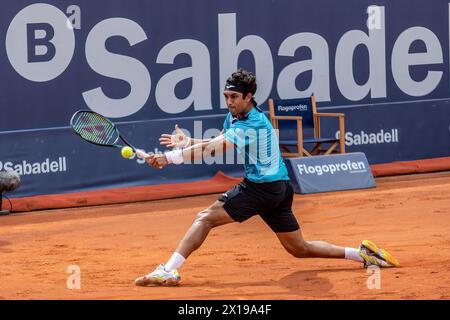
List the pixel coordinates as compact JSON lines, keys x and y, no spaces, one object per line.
{"x":224,"y":114}
{"x":380,"y":104}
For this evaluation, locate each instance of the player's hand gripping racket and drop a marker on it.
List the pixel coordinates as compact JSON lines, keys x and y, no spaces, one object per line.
{"x":97,"y":129}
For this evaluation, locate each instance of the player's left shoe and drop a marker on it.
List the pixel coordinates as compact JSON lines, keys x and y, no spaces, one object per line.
{"x":374,"y":256}
{"x":159,"y":277}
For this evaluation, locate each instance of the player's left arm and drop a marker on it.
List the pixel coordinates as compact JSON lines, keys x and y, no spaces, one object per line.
{"x":179,"y":139}
{"x":212,"y":147}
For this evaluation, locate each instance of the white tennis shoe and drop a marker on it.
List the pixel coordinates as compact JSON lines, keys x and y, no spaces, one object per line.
{"x":159,"y":277}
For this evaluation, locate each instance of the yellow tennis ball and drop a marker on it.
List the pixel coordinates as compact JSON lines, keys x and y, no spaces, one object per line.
{"x":126,"y":152}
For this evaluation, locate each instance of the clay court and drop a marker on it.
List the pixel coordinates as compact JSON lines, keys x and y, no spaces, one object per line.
{"x":114,"y":244}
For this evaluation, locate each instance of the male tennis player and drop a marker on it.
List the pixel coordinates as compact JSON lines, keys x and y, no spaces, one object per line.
{"x":265,"y":191}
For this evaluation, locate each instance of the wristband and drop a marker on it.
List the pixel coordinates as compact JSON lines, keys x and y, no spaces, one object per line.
{"x":175,"y":157}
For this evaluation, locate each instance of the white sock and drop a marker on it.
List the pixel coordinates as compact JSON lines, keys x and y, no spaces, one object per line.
{"x":353,"y":254}
{"x":175,"y":262}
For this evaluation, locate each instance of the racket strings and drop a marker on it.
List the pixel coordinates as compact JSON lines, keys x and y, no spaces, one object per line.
{"x":95,"y":128}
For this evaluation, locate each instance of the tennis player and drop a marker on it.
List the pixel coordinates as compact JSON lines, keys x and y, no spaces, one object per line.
{"x":265,"y":191}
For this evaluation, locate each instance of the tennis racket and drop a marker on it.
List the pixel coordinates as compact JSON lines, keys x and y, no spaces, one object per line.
{"x":97,"y":129}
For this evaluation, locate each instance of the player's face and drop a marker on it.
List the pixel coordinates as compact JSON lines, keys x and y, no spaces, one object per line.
{"x":236,"y":102}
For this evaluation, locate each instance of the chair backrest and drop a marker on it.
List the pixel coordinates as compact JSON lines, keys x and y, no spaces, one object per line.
{"x":305,"y":108}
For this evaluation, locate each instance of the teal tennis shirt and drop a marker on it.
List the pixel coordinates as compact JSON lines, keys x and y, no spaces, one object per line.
{"x":257,"y":143}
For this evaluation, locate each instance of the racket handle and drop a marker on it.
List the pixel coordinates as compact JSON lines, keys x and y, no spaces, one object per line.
{"x":141,"y":154}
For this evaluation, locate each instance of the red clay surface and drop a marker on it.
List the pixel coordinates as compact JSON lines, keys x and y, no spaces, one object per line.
{"x":112,"y":245}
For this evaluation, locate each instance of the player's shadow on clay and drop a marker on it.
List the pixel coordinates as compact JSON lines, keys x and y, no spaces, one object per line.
{"x":304,"y":282}
{"x":309,"y":282}
{"x":5,"y":244}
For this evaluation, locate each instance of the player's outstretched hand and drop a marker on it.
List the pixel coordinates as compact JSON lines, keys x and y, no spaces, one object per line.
{"x":157,"y":161}
{"x":177,"y":140}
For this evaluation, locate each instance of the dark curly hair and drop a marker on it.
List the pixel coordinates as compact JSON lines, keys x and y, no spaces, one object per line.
{"x":246,"y":79}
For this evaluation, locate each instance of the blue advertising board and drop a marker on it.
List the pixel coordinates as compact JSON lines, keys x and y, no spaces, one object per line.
{"x":330,"y":173}
{"x":148,"y":65}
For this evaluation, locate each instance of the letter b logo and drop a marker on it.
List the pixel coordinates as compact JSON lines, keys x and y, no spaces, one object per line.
{"x":39,"y":44}
{"x":34,"y":44}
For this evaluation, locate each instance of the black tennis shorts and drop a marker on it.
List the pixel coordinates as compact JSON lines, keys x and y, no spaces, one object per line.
{"x":271,"y":200}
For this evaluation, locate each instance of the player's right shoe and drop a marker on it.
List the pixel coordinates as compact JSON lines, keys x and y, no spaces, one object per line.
{"x":374,"y":256}
{"x":159,"y":277}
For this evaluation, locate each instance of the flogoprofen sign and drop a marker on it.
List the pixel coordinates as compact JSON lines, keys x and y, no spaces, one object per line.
{"x":330,"y":173}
